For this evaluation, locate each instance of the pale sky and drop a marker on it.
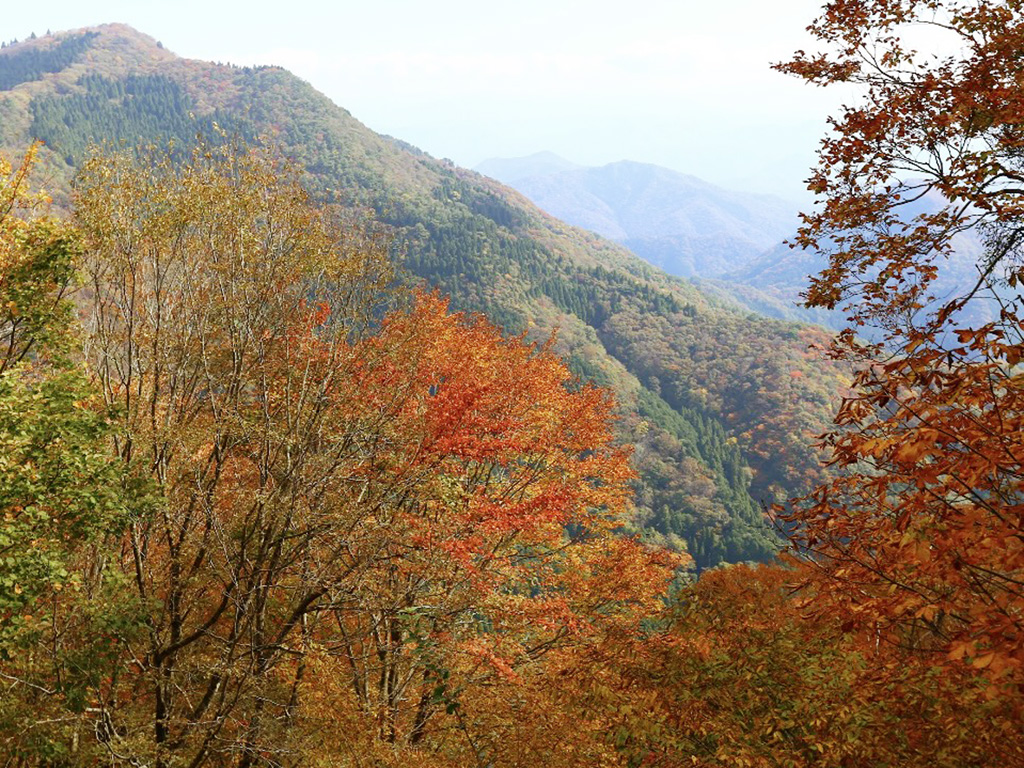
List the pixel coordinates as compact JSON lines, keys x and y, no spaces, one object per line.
{"x":681,"y":83}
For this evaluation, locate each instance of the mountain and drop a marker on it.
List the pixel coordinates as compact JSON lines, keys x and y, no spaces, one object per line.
{"x":721,"y":405}
{"x":511,"y":170}
{"x":729,"y":244}
{"x":717,"y":238}
{"x":780,"y":274}
{"x":680,"y":223}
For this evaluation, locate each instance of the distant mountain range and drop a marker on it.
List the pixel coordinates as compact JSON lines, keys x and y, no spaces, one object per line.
{"x":720,"y":404}
{"x":512,"y":170}
{"x":730,"y":244}
{"x":680,"y":223}
{"x":724,"y":241}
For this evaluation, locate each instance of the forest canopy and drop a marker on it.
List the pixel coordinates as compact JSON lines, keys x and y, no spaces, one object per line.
{"x":294,"y":484}
{"x":262,"y":506}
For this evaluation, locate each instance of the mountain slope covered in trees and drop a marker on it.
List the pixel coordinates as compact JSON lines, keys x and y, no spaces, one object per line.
{"x":728,"y":243}
{"x":722,"y":406}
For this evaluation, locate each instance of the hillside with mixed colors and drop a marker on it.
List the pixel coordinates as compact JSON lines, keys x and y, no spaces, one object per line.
{"x":721,"y":406}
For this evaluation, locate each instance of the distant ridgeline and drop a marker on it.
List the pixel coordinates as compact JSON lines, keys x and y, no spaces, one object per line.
{"x":27,"y":64}
{"x":721,"y":406}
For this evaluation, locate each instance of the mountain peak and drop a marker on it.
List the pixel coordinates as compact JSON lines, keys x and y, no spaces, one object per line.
{"x":128,"y":43}
{"x":111,"y":35}
{"x":109,"y":50}
{"x":126,"y":35}
{"x":511,"y":169}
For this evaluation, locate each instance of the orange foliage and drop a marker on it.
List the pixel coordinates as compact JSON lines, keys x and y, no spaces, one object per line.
{"x":920,"y":539}
{"x":377,"y":533}
{"x":476,"y":593}
{"x":742,"y":677}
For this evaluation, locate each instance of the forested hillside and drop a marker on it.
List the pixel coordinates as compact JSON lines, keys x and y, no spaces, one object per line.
{"x":268,"y":501}
{"x":721,"y":406}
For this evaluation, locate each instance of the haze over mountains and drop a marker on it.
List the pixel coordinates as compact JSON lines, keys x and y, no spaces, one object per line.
{"x":721,"y":405}
{"x":678,"y":222}
{"x":731,"y":244}
{"x":728,"y":242}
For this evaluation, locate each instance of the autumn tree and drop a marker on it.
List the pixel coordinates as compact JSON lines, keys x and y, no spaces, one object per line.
{"x":222,"y":312}
{"x":494,"y":569}
{"x":61,"y":497}
{"x":741,"y":676}
{"x":920,"y":540}
{"x":371,"y":519}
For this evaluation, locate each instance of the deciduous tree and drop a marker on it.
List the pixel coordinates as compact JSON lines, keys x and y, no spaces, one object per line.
{"x":61,"y":496}
{"x":920,"y":541}
{"x":400,"y":500}
{"x":741,"y":676}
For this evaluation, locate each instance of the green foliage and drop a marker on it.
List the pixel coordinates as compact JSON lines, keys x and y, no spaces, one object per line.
{"x":62,"y":494}
{"x":58,"y":487}
{"x":30,"y":64}
{"x":597,"y":293}
{"x":717,"y":519}
{"x":34,"y":279}
{"x":763,"y":381}
{"x":142,"y":109}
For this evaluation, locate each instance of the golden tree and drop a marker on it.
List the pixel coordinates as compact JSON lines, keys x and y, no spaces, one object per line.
{"x":399,"y":499}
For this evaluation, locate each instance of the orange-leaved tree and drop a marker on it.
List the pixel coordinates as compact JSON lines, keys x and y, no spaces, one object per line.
{"x":743,"y":677}
{"x":494,"y":563}
{"x":374,"y":525}
{"x":920,"y":539}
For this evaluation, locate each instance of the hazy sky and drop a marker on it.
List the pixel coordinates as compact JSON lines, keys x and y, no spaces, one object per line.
{"x":681,"y":83}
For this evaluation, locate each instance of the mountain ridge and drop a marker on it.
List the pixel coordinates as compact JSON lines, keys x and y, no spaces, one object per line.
{"x":705,"y":391}
{"x":688,"y":228}
{"x":683,"y":224}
